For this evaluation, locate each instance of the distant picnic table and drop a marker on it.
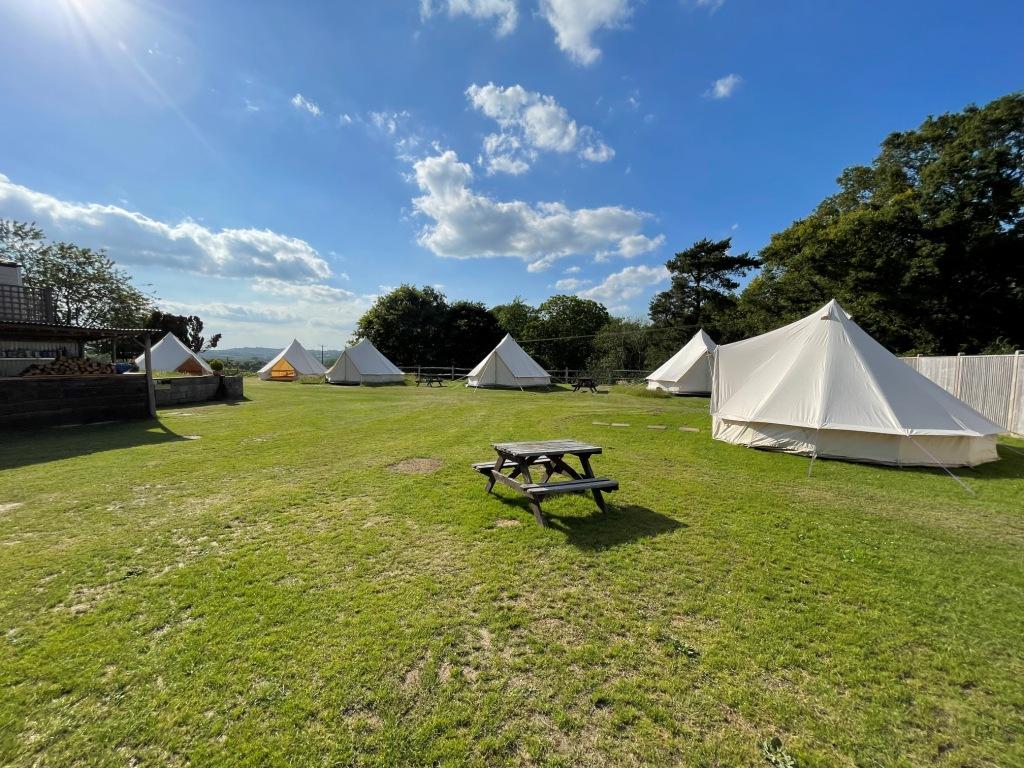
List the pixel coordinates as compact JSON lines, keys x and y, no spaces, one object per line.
{"x":585,"y":382}
{"x":430,"y":379}
{"x":548,"y":455}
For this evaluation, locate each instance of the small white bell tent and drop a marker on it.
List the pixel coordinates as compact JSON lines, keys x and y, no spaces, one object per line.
{"x":169,"y":354}
{"x":823,"y":387}
{"x":688,"y":371}
{"x":363,"y":363}
{"x":507,"y":365}
{"x":290,"y":363}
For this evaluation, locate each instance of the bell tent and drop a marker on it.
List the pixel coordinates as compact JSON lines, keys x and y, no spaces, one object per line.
{"x":290,"y":363}
{"x":688,"y":371}
{"x":169,"y":354}
{"x":363,"y":363}
{"x":507,"y":365}
{"x":823,"y":387}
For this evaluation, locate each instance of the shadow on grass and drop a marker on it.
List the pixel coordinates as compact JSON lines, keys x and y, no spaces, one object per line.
{"x":26,"y":447}
{"x":621,"y":524}
{"x":203,"y":404}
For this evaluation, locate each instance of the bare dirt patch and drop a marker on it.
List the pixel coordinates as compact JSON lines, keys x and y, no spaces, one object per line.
{"x":9,"y":506}
{"x":504,"y":522}
{"x":416,"y":466}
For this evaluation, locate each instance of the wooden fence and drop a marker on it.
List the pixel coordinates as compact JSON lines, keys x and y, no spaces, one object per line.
{"x":990,"y":384}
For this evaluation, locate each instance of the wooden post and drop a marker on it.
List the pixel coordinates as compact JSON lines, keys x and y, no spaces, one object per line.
{"x":150,"y":392}
{"x":453,"y":371}
{"x":1015,"y":404}
{"x":113,"y":351}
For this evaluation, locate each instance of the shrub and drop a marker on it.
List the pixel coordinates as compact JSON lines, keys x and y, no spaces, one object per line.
{"x":217,"y":365}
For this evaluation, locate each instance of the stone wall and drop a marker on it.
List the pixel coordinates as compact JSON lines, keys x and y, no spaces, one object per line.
{"x":195,"y":389}
{"x":50,"y":400}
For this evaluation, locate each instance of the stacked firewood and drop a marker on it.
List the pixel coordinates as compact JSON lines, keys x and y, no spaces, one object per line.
{"x":70,"y":366}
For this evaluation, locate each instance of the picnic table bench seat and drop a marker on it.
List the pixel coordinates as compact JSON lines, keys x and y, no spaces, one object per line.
{"x":548,"y":455}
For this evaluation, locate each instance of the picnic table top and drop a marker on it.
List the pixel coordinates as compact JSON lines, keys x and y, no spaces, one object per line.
{"x":538,"y":447}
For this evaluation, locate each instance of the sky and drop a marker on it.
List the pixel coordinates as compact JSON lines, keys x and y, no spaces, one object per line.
{"x":274,"y":167}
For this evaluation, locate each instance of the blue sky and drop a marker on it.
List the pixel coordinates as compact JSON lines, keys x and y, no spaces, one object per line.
{"x":274,"y":166}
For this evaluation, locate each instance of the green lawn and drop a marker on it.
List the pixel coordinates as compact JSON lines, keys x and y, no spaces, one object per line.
{"x":255,"y":584}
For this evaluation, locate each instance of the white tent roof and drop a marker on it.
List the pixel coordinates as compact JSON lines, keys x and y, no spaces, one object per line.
{"x":298,"y":358}
{"x":508,"y":365}
{"x":169,"y":354}
{"x":825,"y":373}
{"x":689,"y":369}
{"x":363,"y":362}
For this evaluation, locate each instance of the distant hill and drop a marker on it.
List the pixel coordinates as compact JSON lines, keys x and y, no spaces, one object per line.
{"x":263,"y":354}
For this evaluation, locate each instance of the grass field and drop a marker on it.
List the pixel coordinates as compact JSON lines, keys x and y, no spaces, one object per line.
{"x":260,"y":584}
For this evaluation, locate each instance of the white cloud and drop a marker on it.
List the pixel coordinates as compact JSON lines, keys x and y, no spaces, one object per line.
{"x":570,"y":284}
{"x":469,"y":225}
{"x":709,"y":5}
{"x":619,"y":287}
{"x":723,"y":87}
{"x":301,"y":102}
{"x":133,"y":238}
{"x":575,"y":22}
{"x":571,"y":271}
{"x":504,"y":12}
{"x":388,"y":122}
{"x":345,"y":119}
{"x":530,"y":122}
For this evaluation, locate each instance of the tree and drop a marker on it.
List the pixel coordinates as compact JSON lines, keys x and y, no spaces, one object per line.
{"x":514,"y":317}
{"x":621,"y":345}
{"x":88,"y":289}
{"x":704,"y":278}
{"x":188,"y":328}
{"x":471,"y":331}
{"x":564,"y":327}
{"x":923,"y":247}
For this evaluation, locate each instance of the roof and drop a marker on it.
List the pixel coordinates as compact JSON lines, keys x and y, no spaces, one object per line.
{"x":23,"y":331}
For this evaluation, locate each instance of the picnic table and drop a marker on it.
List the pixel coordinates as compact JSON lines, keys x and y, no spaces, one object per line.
{"x":430,"y":379}
{"x":585,"y":382}
{"x":548,"y":455}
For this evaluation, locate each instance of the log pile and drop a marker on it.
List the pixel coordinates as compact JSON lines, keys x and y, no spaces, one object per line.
{"x":70,"y":366}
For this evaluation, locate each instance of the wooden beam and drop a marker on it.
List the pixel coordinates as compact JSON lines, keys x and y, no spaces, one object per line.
{"x":150,"y":391}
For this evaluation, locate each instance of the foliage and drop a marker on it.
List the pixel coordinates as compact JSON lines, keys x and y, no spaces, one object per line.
{"x":471,"y":331}
{"x":87,"y":288}
{"x":407,"y":325}
{"x":514,"y":317}
{"x":621,"y":345}
{"x":923,"y":247}
{"x":704,"y":279}
{"x":188,"y":329}
{"x":564,"y":327}
{"x":216,"y":364}
{"x":272,"y":594}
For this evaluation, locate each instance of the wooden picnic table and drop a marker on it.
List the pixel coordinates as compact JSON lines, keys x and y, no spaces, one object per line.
{"x":430,"y":379}
{"x":585,"y":382}
{"x":548,"y":455}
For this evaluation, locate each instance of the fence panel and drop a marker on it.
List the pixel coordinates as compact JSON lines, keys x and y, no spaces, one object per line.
{"x":991,"y":384}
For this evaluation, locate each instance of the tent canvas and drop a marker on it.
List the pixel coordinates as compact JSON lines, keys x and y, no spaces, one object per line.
{"x":170,"y":354}
{"x":290,"y":363}
{"x":363,"y":363}
{"x":688,"y":371}
{"x":821,"y":386}
{"x":507,"y":365}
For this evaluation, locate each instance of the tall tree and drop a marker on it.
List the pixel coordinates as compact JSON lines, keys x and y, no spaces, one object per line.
{"x":923,"y":247}
{"x":471,"y":331}
{"x":564,"y":327}
{"x":514,"y":317}
{"x":88,"y":289}
{"x":407,"y":325}
{"x":188,"y":328}
{"x":621,"y":345}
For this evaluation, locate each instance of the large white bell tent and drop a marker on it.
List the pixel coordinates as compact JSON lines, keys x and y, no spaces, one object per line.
{"x":169,"y":354}
{"x":688,"y":371}
{"x":823,"y":387}
{"x":507,"y":365}
{"x":290,"y":363}
{"x":363,"y":363}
